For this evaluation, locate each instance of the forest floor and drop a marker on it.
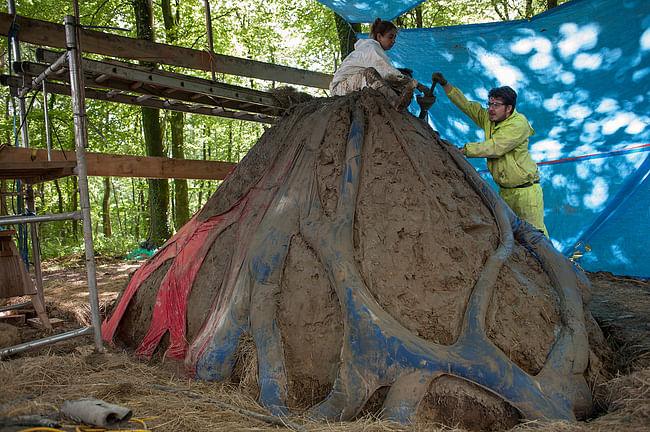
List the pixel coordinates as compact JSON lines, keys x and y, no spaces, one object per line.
{"x":163,"y":398}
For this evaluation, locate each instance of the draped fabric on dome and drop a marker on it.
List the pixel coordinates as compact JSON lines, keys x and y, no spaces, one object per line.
{"x":355,"y":11}
{"x":582,"y":74}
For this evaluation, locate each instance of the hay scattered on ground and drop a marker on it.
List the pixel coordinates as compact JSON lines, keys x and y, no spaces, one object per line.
{"x":39,"y":385}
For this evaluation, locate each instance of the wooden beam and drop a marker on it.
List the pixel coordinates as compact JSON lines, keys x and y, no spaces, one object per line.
{"x":267,"y":114}
{"x":171,"y":81}
{"x":36,"y":172}
{"x":50,"y":34}
{"x":112,"y":165}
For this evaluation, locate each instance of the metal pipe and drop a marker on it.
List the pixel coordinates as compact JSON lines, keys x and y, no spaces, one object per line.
{"x":13,"y":220}
{"x":51,"y":69}
{"x":24,"y":135}
{"x":15,"y":48}
{"x":208,"y":25}
{"x":6,"y":352}
{"x":81,"y":142}
{"x":48,"y":138}
{"x":36,"y":247}
{"x":15,"y":306}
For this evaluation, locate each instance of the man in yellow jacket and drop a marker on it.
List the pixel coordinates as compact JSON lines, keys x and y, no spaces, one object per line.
{"x":506,"y":149}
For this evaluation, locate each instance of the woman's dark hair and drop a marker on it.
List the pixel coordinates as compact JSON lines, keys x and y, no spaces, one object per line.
{"x":381,"y":27}
{"x":506,"y":94}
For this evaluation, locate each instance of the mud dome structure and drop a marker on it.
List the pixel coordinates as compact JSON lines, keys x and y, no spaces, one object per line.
{"x":368,"y":261}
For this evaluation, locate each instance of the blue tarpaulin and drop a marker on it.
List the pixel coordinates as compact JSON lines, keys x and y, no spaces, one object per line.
{"x":356,"y":11}
{"x":582,"y":73}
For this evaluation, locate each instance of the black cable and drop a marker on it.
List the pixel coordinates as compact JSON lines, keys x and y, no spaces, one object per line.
{"x":31,"y":103}
{"x":56,"y":134}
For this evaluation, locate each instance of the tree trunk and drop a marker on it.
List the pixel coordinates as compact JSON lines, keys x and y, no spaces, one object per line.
{"x":182,"y":204}
{"x":116,"y":194}
{"x":106,"y":208}
{"x":229,"y":154}
{"x":503,"y":13}
{"x":529,"y":8}
{"x":347,"y":35}
{"x":550,"y":4}
{"x":418,"y":17}
{"x":158,"y":188}
{"x":177,"y":121}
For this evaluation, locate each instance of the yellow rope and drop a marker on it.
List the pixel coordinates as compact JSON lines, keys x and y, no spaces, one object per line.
{"x":41,"y":428}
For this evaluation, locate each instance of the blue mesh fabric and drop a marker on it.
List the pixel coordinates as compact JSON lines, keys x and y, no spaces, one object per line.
{"x":582,"y":74}
{"x":355,"y":11}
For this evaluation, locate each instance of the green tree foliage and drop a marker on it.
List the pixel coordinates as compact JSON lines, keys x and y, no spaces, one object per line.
{"x":437,"y":13}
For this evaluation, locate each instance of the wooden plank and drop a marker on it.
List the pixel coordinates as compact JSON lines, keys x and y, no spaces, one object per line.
{"x":36,"y":172}
{"x":112,"y":165}
{"x":50,"y":34}
{"x":37,"y":323}
{"x":266,"y":115}
{"x":12,"y":317}
{"x":156,"y":84}
{"x":173,"y":81}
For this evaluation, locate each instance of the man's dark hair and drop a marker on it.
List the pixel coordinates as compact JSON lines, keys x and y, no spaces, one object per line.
{"x":506,"y":94}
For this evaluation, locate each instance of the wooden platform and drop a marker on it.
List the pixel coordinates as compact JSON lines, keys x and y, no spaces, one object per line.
{"x":32,"y":166}
{"x":36,"y":172}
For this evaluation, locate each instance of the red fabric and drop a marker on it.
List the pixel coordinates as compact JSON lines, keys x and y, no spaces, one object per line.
{"x":171,"y":304}
{"x":168,"y":251}
{"x":257,"y":202}
{"x":188,"y":249}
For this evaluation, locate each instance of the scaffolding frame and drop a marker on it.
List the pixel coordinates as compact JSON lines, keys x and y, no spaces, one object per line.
{"x":73,"y":57}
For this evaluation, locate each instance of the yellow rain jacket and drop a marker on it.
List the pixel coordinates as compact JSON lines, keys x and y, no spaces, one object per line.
{"x":505,"y":145}
{"x":508,"y":158}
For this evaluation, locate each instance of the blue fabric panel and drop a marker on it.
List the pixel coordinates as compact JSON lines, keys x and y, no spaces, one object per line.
{"x":355,"y":11}
{"x":582,"y":73}
{"x":619,"y":237}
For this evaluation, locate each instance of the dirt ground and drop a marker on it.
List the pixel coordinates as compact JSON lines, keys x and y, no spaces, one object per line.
{"x":38,"y":381}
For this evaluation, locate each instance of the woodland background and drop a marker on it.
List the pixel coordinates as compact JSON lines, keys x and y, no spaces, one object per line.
{"x":127,"y":211}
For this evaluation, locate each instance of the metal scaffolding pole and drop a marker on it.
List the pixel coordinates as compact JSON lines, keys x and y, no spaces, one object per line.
{"x":208,"y":28}
{"x":81,"y":142}
{"x":24,"y":135}
{"x":46,"y":115}
{"x":6,"y":352}
{"x":13,"y":220}
{"x":52,"y":69}
{"x":36,"y":246}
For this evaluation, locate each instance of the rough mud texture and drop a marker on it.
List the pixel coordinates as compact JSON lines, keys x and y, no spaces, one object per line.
{"x":421,"y":239}
{"x":208,"y":280}
{"x":139,"y":312}
{"x":310,"y":318}
{"x":524,"y":312}
{"x":453,"y":401}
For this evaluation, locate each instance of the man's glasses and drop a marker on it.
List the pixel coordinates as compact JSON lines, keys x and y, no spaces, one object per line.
{"x":494,"y":104}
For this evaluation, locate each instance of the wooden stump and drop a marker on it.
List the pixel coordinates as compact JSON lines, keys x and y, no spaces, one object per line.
{"x":14,"y":280}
